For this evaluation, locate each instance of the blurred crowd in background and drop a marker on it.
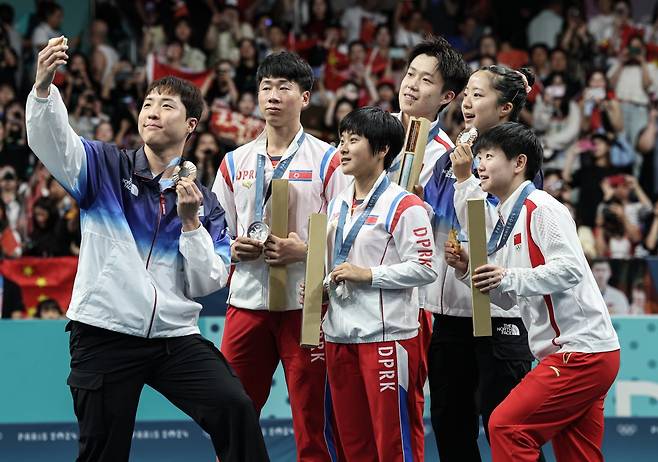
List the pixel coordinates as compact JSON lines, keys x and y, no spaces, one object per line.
{"x":594,"y":103}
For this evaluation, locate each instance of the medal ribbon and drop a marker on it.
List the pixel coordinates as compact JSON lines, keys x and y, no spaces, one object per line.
{"x":166,"y":183}
{"x":277,"y":174}
{"x":501,"y":232}
{"x":342,"y":247}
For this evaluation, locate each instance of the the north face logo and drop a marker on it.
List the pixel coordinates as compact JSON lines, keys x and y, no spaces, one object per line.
{"x":508,"y":329}
{"x":130,"y":186}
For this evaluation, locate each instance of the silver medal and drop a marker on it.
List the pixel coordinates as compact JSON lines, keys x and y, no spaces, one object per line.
{"x":258,"y":231}
{"x":468,"y":136}
{"x":186,"y":170}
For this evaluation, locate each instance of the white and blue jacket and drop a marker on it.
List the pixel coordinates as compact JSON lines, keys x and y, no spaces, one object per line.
{"x":138,"y":272}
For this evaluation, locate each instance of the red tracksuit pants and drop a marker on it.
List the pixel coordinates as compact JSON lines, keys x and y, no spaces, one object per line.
{"x":560,"y":400}
{"x":373,"y":390}
{"x":425,"y":321}
{"x":253,"y":343}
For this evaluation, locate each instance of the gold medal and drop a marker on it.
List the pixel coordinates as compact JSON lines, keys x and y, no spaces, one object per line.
{"x":452,"y":238}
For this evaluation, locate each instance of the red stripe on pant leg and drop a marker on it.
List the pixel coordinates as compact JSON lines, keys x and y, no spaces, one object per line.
{"x":417,"y":349}
{"x":306,"y":372}
{"x":249,"y":346}
{"x":424,"y":338}
{"x":537,"y":259}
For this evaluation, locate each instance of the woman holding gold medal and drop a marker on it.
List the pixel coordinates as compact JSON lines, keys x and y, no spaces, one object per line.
{"x":469,"y":376}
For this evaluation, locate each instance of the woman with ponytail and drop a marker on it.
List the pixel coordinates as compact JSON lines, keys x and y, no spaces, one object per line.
{"x":469,"y":376}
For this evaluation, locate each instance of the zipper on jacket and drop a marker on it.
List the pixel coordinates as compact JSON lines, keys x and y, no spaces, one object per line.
{"x":443,"y":288}
{"x":161,"y":212}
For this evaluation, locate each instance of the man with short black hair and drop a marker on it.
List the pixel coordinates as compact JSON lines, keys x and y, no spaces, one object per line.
{"x":436,"y":74}
{"x":255,"y":339}
{"x":152,"y":241}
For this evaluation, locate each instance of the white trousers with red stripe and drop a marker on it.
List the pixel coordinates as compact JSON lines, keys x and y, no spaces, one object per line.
{"x":373,"y":390}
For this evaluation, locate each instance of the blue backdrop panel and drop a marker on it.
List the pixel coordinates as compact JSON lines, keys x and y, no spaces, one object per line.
{"x":37,"y":422}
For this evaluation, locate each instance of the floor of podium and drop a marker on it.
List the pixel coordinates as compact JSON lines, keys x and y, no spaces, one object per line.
{"x":633,"y":439}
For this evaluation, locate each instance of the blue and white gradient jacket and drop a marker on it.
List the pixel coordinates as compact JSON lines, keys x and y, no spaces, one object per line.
{"x":138,"y":272}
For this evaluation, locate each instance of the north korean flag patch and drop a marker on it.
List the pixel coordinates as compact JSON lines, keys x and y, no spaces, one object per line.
{"x":372,"y":219}
{"x":517,"y":240}
{"x":300,"y":175}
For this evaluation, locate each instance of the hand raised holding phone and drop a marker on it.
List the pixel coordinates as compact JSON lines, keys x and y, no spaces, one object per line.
{"x":49,"y":59}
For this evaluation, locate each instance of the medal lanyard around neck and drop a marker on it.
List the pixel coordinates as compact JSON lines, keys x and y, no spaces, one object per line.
{"x":261,"y":195}
{"x":342,"y":248}
{"x":501,"y":232}
{"x":433,"y":132}
{"x":166,"y":183}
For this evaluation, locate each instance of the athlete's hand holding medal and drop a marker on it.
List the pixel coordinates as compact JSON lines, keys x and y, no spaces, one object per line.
{"x":189,"y":195}
{"x":462,"y":155}
{"x":462,"y":165}
{"x":277,"y":250}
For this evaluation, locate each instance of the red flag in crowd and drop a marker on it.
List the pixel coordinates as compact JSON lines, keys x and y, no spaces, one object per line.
{"x":42,"y":278}
{"x":234,"y":127}
{"x":157,"y":70}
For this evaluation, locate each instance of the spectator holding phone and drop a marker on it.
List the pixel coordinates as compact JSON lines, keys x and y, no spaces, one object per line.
{"x":618,"y":217}
{"x":577,"y":41}
{"x":612,"y":234}
{"x":599,"y":106}
{"x":77,"y":79}
{"x":225,"y":32}
{"x":557,"y":117}
{"x":647,"y":146}
{"x":556,"y":186}
{"x":632,"y":77}
{"x":206,"y":155}
{"x":593,"y":154}
{"x":222,"y":90}
{"x":651,"y":239}
{"x":15,"y":124}
{"x":87,"y":115}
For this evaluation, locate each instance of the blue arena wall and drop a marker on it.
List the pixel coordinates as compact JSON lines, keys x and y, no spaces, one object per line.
{"x":37,"y":422}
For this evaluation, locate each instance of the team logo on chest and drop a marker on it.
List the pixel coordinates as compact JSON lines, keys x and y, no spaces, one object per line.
{"x":242,"y":175}
{"x":371,"y":220}
{"x":300,"y":175}
{"x":130,"y":186}
{"x":517,"y":241}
